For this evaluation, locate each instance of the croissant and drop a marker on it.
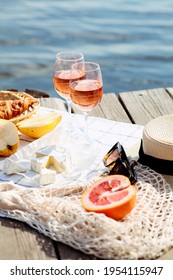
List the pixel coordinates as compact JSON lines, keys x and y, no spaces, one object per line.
{"x":16,"y":106}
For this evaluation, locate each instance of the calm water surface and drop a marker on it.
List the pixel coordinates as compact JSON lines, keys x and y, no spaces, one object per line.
{"x":132,"y":41}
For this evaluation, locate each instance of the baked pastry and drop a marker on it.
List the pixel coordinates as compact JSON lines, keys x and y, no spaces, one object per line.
{"x":17,"y":106}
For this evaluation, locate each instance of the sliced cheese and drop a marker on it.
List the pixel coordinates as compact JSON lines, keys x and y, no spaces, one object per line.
{"x":47,"y":176}
{"x":57,"y":157}
{"x":13,"y":167}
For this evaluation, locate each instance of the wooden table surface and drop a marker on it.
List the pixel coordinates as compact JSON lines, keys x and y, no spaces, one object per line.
{"x":18,"y":240}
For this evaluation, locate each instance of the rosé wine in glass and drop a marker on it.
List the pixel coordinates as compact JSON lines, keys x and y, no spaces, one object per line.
{"x":61,"y":82}
{"x":86,"y":93}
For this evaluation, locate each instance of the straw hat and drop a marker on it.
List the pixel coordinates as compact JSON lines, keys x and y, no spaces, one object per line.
{"x":156,"y":148}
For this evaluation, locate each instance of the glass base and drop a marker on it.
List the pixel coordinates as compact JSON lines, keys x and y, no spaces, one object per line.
{"x":80,"y":157}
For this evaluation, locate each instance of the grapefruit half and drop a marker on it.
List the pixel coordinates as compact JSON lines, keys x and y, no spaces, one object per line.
{"x":112,"y":195}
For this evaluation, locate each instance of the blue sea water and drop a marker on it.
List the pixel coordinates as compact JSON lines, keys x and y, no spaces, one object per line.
{"x":132,"y":40}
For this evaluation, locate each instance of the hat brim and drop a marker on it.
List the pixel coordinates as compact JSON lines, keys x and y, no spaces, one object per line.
{"x":159,"y":165}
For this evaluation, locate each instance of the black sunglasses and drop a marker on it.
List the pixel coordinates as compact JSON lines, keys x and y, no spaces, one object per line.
{"x":116,"y":160}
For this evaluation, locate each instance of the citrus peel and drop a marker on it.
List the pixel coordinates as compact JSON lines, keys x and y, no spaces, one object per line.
{"x":112,"y":195}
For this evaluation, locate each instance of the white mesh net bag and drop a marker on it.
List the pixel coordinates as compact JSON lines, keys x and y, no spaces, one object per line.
{"x":145,"y":233}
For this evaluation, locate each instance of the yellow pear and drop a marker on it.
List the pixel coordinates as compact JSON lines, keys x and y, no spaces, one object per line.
{"x":9,"y":139}
{"x":39,"y":125}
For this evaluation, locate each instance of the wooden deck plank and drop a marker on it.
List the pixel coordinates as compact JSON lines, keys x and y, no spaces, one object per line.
{"x":53,"y":103}
{"x":167,"y":256}
{"x":109,"y":108}
{"x":66,"y":252}
{"x":145,"y":105}
{"x":18,"y":241}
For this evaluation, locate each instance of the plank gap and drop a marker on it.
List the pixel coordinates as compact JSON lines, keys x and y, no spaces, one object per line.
{"x":170,"y":92}
{"x":125,"y":109}
{"x":56,"y":250}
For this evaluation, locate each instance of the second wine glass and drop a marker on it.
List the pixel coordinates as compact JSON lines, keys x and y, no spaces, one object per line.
{"x":86,"y":92}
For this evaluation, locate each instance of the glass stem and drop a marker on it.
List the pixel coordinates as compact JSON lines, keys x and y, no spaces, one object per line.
{"x":69,"y":107}
{"x":70,"y":123}
{"x":86,"y":126}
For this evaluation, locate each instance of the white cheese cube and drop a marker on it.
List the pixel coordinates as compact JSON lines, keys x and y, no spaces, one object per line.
{"x":47,"y":177}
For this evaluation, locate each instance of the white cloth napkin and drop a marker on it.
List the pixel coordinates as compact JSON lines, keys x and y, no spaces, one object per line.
{"x":82,"y":161}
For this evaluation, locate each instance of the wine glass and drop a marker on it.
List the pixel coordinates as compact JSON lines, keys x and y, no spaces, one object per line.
{"x":61,"y":74}
{"x":87,"y":90}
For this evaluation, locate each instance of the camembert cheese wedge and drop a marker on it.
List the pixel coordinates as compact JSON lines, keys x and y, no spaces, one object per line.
{"x":49,"y":156}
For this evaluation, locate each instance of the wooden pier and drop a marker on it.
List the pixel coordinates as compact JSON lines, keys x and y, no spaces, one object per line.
{"x":18,"y":240}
